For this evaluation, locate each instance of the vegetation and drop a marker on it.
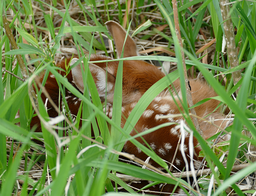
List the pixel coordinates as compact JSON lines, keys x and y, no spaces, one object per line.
{"x":40,"y":33}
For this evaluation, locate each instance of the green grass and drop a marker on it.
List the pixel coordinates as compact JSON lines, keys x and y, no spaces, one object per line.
{"x":39,"y":30}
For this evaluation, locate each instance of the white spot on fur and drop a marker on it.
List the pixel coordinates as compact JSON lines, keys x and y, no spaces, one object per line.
{"x":144,"y":128}
{"x":157,"y":117}
{"x":167,"y":146}
{"x":153,"y":146}
{"x":186,"y":133}
{"x":174,"y":130}
{"x":52,"y":76}
{"x":177,"y":161}
{"x":164,"y":108}
{"x":184,"y":147}
{"x":170,"y":118}
{"x":148,"y":113}
{"x":133,"y":104}
{"x":156,"y":106}
{"x":162,"y":151}
{"x":158,"y":99}
{"x":110,"y":112}
{"x":139,"y":150}
{"x":67,"y":97}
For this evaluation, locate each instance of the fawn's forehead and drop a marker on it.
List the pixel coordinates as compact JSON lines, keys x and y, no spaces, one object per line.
{"x":129,"y":66}
{"x":138,"y":68}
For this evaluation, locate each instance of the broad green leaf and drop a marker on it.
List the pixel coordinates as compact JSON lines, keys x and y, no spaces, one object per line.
{"x":24,"y":51}
{"x":85,"y":29}
{"x":32,"y":48}
{"x":28,"y":37}
{"x":12,"y":103}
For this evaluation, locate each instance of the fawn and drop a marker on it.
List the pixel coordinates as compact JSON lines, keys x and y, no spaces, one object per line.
{"x":138,"y":77}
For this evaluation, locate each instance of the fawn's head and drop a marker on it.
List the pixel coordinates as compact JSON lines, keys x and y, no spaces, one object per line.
{"x":138,"y":76}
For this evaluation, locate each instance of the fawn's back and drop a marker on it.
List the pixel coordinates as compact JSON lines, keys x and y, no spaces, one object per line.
{"x":138,"y":77}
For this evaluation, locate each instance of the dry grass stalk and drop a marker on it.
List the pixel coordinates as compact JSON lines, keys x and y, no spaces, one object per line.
{"x":230,"y":38}
{"x":19,"y":57}
{"x":232,"y":54}
{"x":189,"y":96}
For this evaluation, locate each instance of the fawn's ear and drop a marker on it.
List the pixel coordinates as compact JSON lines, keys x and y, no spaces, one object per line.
{"x":119,"y":34}
{"x":104,"y":81}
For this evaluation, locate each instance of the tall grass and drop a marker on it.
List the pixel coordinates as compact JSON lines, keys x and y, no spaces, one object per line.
{"x":74,"y":165}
